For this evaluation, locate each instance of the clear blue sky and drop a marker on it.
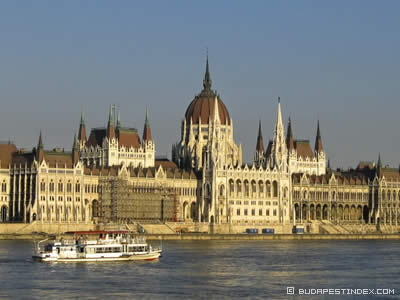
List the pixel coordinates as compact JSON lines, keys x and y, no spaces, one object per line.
{"x":335,"y":61}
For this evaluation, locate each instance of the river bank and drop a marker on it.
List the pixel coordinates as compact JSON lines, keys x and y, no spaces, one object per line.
{"x":205,"y":236}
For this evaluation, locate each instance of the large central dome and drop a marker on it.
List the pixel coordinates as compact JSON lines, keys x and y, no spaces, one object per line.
{"x":203,"y":105}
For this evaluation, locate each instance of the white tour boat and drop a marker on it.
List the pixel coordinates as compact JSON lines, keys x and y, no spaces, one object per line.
{"x":96,"y":246}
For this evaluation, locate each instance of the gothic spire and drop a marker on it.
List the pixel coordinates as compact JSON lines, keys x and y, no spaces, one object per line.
{"x":207,"y":78}
{"x":110,"y":125}
{"x":379,"y":166}
{"x":82,"y":130}
{"x":279,"y":148}
{"x":118,"y":119}
{"x":318,"y":141}
{"x":75,"y":150}
{"x":146,"y":129}
{"x":379,"y":161}
{"x":289,"y":137}
{"x":260,"y":142}
{"x":39,"y":150}
{"x":75,"y":144}
{"x":40,"y":143}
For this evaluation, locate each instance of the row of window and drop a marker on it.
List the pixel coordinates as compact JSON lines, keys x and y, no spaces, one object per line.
{"x":60,"y":198}
{"x":236,"y":187}
{"x":60,"y":187}
{"x":312,"y":195}
{"x":239,"y":202}
{"x":253,"y":212}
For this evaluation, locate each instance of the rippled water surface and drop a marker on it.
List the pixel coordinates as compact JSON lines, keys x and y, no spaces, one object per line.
{"x":208,"y":270}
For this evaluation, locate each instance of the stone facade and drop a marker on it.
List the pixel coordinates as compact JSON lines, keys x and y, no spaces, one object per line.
{"x":288,"y":183}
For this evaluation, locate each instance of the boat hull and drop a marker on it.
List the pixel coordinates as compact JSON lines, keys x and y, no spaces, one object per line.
{"x":136,"y":257}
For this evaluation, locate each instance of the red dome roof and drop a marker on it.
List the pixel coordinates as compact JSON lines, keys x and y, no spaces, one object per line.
{"x":203,"y":106}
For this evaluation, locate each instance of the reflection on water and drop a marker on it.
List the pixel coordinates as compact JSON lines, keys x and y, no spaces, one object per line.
{"x":206,"y":269}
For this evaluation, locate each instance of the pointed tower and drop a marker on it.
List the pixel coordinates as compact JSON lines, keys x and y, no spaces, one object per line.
{"x":379,"y":166}
{"x":146,"y":129}
{"x":318,"y":141}
{"x":207,"y":78}
{"x":279,"y":149}
{"x":259,"y":153}
{"x":110,"y":125}
{"x":216,"y":111}
{"x":118,"y":120}
{"x":40,"y":150}
{"x":289,"y":137}
{"x":82,"y":132}
{"x":75,"y":150}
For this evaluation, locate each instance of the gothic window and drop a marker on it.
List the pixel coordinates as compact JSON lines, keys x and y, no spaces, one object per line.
{"x":260,"y":188}
{"x":245,"y":212}
{"x":222,"y":190}
{"x":51,"y":187}
{"x":253,"y":212}
{"x":239,"y":187}
{"x":69,"y":187}
{"x":268,"y":189}
{"x":42,"y":186}
{"x":260,"y":212}
{"x":246,"y":188}
{"x":77,"y":187}
{"x":267,"y":212}
{"x":60,"y":187}
{"x":253,"y":188}
{"x":231,"y":188}
{"x":238,"y":212}
{"x":274,"y":212}
{"x":275,"y":189}
{"x":4,"y":187}
{"x":285,"y":192}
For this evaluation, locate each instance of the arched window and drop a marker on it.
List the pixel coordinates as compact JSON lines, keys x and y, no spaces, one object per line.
{"x":246,"y":188}
{"x":268,"y":189}
{"x":51,"y":186}
{"x":69,"y":187}
{"x":285,"y":192}
{"x":238,"y":188}
{"x":222,"y":190}
{"x":77,"y":187}
{"x":231,"y":188}
{"x":260,"y":188}
{"x":4,"y":187}
{"x":253,"y":188}
{"x":60,"y":187}
{"x":42,"y":186}
{"x":275,"y":189}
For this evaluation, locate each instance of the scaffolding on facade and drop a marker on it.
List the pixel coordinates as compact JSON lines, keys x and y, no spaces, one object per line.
{"x":124,"y":202}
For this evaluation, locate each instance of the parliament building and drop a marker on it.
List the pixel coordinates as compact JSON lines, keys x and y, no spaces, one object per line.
{"x":113,"y":175}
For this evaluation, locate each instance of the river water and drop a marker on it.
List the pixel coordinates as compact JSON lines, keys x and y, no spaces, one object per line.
{"x":210,"y":270}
